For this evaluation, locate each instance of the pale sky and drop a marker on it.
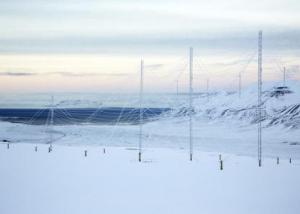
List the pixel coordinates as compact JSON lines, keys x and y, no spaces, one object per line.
{"x":72,"y":45}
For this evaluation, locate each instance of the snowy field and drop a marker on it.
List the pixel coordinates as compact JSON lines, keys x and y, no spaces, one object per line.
{"x":65,"y":181}
{"x":208,"y":136}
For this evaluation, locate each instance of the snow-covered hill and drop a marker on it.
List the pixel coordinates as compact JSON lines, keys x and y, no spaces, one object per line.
{"x":281,"y":106}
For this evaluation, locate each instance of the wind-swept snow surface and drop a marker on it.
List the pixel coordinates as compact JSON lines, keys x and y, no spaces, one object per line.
{"x":65,"y":181}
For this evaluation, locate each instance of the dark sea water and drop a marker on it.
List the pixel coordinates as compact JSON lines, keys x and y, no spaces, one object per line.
{"x":105,"y":115}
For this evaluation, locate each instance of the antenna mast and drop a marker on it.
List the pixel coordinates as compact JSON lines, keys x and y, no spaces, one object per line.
{"x":51,"y":122}
{"x":191,"y":104}
{"x":141,"y":110}
{"x":259,"y":101}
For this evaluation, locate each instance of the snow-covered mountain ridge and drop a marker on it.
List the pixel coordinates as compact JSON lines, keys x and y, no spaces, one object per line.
{"x":281,"y":106}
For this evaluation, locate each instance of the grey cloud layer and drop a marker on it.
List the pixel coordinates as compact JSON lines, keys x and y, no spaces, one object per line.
{"x":132,"y":25}
{"x":65,"y":74}
{"x":17,"y":74}
{"x":287,"y":40}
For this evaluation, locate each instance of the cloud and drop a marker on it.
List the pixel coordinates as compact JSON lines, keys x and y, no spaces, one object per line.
{"x":87,"y":74}
{"x":70,"y":74}
{"x":63,"y":73}
{"x":17,"y":74}
{"x":234,"y":41}
{"x":244,"y":61}
{"x":294,"y":69}
{"x":154,"y":66}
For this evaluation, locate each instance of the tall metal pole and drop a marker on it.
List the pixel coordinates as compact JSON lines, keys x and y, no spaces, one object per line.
{"x":259,"y":101}
{"x":141,"y":110}
{"x":191,"y":104}
{"x":240,"y":84}
{"x":51,"y":122}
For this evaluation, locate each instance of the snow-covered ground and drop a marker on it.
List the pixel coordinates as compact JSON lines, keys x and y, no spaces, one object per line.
{"x":211,"y":137}
{"x":65,"y":181}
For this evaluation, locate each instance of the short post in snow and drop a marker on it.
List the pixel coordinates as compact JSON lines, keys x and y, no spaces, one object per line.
{"x":221,"y":162}
{"x":85,"y":153}
{"x":290,"y":160}
{"x":35,"y":148}
{"x":50,"y":149}
{"x":8,"y":146}
{"x":277,"y":160}
{"x":221,"y":165}
{"x":103,"y":150}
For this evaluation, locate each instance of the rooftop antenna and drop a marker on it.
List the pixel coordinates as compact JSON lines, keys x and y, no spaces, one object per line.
{"x":259,"y":101}
{"x":141,"y":110}
{"x":191,"y":104}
